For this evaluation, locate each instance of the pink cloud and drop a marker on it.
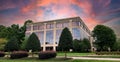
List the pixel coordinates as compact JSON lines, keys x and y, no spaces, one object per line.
{"x":63,"y":9}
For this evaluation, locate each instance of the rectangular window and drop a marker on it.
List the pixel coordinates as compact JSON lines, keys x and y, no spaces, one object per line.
{"x":59,"y":25}
{"x":58,"y":33}
{"x":49,"y":26}
{"x":75,"y":23}
{"x":76,"y":33}
{"x":49,"y":37}
{"x":41,"y":27}
{"x":41,"y":37}
{"x":66,"y":24}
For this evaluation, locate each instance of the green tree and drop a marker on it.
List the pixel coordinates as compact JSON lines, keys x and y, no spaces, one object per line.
{"x":66,"y":41}
{"x":12,"y":44}
{"x":116,"y":46}
{"x":24,"y":43}
{"x":3,"y":31}
{"x":85,"y":45}
{"x":3,"y":41}
{"x":104,"y":37}
{"x":81,"y":45}
{"x":22,"y":30}
{"x":76,"y":45}
{"x":33,"y":43}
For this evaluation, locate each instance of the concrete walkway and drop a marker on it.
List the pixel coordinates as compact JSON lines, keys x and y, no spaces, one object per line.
{"x":91,"y":58}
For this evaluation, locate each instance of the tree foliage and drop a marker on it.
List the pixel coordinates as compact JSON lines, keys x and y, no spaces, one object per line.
{"x":24,"y":43}
{"x":116,"y":46}
{"x":81,"y":45}
{"x":66,"y":40}
{"x":76,"y":45}
{"x":104,"y":36}
{"x":12,"y":44}
{"x":3,"y":41}
{"x":33,"y":43}
{"x":14,"y":31}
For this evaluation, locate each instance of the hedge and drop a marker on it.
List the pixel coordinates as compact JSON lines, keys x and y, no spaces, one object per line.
{"x":18,"y":54}
{"x":47,"y":54}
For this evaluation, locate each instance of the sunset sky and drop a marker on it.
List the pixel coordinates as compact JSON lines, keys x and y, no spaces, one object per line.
{"x":92,"y":12}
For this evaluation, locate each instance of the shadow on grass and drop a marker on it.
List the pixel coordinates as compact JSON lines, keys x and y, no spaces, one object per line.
{"x":31,"y":59}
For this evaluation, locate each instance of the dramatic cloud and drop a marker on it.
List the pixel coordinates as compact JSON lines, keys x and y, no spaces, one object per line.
{"x":92,"y":12}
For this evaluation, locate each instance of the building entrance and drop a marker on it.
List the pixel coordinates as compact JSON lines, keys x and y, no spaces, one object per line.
{"x":49,"y":48}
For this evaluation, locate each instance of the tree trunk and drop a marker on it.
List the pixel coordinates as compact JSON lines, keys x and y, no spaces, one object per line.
{"x":65,"y":54}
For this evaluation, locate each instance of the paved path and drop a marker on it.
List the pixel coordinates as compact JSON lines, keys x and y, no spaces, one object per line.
{"x":90,"y":58}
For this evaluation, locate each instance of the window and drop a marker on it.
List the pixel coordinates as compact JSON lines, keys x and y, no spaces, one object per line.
{"x":66,"y":24}
{"x":41,"y":37}
{"x":49,"y":37}
{"x":41,"y":27}
{"x":59,"y":25}
{"x":75,"y":23}
{"x":76,"y":33}
{"x":58,"y":33}
{"x":49,"y":26}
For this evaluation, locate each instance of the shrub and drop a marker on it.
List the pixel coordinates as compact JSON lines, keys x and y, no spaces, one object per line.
{"x":2,"y":54}
{"x":18,"y":54}
{"x":47,"y":54}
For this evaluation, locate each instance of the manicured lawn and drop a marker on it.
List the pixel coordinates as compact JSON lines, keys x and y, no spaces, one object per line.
{"x":88,"y":55}
{"x":60,"y":58}
{"x":109,"y":56}
{"x":74,"y":54}
{"x":49,"y":60}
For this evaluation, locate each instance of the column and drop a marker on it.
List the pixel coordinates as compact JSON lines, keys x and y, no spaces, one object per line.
{"x":91,"y":43}
{"x":31,"y":29}
{"x":44,"y":48}
{"x":70,"y":25}
{"x":54,"y":37}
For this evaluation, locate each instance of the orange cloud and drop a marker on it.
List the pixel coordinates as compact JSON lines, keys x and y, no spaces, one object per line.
{"x":45,"y":2}
{"x":63,"y":9}
{"x":90,"y":22}
{"x":29,"y":7}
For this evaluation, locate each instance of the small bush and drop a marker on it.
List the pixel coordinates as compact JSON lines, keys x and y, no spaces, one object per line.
{"x":18,"y":54}
{"x":2,"y":54}
{"x":47,"y":54}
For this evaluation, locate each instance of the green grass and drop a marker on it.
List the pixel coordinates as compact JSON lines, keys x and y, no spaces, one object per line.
{"x":59,"y":59}
{"x":49,"y":60}
{"x":107,"y":56}
{"x":74,"y":54}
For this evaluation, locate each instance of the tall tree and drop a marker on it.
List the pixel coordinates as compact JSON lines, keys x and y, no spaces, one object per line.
{"x":66,"y":41}
{"x":33,"y":43}
{"x":12,"y":44}
{"x":104,"y":37}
